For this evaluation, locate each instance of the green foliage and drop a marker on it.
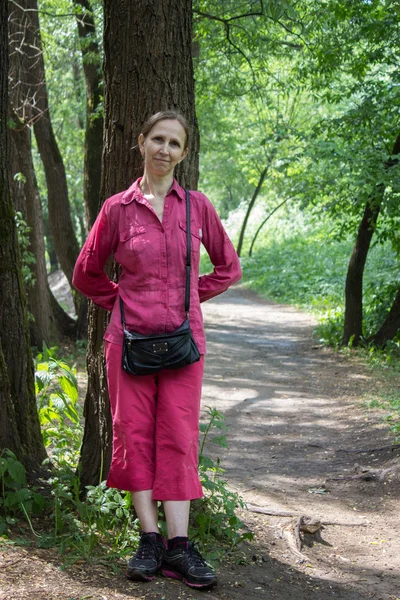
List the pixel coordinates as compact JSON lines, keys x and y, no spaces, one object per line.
{"x":17,"y":499}
{"x":60,"y":413}
{"x":214,"y":521}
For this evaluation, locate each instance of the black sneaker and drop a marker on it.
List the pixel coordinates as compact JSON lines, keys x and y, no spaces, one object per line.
{"x":186,"y":563}
{"x":148,"y":558}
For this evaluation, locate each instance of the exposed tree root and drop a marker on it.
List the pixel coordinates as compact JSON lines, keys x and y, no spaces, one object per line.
{"x":368,"y":450}
{"x":367,"y":474}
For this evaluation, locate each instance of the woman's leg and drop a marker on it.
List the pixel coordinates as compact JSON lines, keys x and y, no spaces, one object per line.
{"x":177,"y":517}
{"x":146,"y":510}
{"x":133,"y":405}
{"x":177,"y":437}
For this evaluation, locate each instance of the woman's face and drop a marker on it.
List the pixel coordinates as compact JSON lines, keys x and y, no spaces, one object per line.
{"x":163,"y":147}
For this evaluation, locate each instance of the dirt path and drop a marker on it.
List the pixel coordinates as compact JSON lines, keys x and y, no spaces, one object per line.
{"x":295,"y":416}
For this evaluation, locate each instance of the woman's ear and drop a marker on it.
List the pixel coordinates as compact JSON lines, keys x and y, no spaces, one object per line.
{"x":184,"y":154}
{"x":141,"y":143}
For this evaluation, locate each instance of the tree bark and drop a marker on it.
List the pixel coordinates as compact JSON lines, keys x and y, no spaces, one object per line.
{"x":353,"y":317}
{"x":390,"y":326}
{"x":91,"y":59}
{"x":147,"y":68}
{"x":19,"y":422}
{"x":249,"y":209}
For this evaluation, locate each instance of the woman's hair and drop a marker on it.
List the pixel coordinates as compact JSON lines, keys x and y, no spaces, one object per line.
{"x":162,"y":116}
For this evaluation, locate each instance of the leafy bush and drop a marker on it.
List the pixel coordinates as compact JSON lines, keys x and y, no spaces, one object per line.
{"x":17,"y":499}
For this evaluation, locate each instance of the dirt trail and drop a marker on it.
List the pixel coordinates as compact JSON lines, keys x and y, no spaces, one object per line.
{"x":295,"y":416}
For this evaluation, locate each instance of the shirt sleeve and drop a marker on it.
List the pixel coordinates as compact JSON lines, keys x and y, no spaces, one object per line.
{"x":227,"y":270}
{"x":89,"y":276}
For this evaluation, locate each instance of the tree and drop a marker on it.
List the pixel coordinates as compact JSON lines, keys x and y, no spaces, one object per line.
{"x":91,"y":59}
{"x":357,"y":141}
{"x":49,"y":322}
{"x":30,"y":97}
{"x":147,"y":67}
{"x":19,"y":422}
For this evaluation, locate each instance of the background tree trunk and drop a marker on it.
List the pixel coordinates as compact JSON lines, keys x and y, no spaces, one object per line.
{"x":249,"y":209}
{"x":19,"y":422}
{"x":353,"y":316}
{"x":30,"y":98}
{"x":91,"y":59}
{"x":49,"y":323}
{"x":147,"y":67}
{"x":30,"y":101}
{"x":390,"y":326}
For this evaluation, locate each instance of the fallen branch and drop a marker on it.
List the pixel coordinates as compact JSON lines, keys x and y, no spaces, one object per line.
{"x":312,"y":521}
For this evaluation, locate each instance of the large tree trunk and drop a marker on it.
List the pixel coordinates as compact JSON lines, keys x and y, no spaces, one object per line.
{"x":91,"y":58}
{"x":147,"y":67}
{"x":19,"y":422}
{"x":353,"y":316}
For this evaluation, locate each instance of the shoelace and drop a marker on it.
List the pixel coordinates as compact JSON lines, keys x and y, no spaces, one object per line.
{"x":146,"y":549}
{"x":193,"y":556}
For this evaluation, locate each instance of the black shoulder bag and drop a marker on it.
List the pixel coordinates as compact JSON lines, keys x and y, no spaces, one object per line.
{"x":148,"y":354}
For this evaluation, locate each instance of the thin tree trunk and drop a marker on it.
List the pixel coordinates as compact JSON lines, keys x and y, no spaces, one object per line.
{"x":273,"y":211}
{"x":19,"y":422}
{"x":352,"y":330}
{"x":148,"y":67}
{"x":91,"y":59}
{"x":250,"y":208}
{"x":353,"y":317}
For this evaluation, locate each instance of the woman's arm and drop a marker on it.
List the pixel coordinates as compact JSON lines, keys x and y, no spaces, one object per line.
{"x":89,"y":276}
{"x":227,"y":270}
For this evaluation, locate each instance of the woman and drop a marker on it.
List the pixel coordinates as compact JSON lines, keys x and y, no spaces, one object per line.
{"x":156,"y":417}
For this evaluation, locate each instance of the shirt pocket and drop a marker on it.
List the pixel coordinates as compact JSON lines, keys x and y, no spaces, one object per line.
{"x":134,"y":239}
{"x":195,"y":238}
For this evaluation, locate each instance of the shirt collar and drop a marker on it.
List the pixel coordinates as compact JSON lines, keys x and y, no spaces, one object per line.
{"x":134,"y":191}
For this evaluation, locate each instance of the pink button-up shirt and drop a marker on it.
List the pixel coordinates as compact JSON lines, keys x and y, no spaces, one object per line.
{"x":152,"y":255}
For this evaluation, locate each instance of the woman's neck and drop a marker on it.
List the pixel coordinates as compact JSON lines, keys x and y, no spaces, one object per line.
{"x":157,"y":187}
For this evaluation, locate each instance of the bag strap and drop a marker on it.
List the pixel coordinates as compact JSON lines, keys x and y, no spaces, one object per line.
{"x":188,"y":254}
{"x":187,"y":268}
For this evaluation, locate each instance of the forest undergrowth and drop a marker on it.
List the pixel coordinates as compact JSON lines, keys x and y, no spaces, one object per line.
{"x":100,"y":524}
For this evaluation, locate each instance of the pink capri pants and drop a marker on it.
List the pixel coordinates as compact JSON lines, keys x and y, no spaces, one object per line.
{"x":155,"y":429}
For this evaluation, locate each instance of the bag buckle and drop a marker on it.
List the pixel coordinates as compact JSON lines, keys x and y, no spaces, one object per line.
{"x":160,"y":347}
